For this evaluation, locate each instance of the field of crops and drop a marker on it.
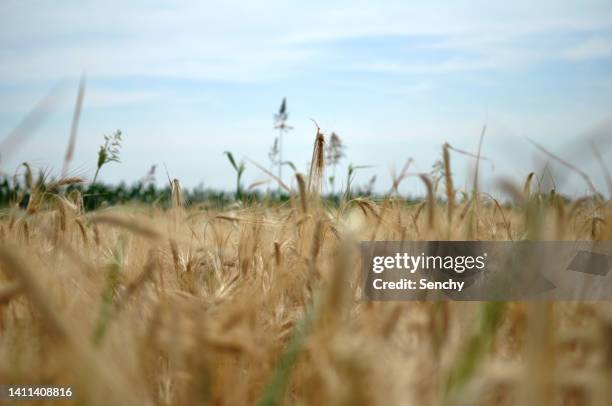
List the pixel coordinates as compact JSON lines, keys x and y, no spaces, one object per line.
{"x":259,"y":302}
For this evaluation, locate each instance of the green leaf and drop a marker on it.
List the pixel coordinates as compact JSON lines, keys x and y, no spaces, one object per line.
{"x":291,"y":165}
{"x":230,"y":157}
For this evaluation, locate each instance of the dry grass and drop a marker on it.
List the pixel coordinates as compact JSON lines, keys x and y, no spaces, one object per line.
{"x":262,"y":304}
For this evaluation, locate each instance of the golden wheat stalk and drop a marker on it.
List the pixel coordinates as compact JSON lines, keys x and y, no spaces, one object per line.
{"x":303,"y":193}
{"x":431,"y":202}
{"x":317,"y":164}
{"x":448,"y":177}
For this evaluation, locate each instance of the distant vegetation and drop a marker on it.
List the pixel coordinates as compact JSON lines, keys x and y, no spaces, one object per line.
{"x":14,"y":192}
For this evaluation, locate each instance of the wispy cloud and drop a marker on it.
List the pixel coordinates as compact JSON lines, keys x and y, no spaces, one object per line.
{"x":231,"y":41}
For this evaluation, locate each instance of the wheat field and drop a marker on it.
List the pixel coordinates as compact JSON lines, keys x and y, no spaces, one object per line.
{"x":260,"y":303}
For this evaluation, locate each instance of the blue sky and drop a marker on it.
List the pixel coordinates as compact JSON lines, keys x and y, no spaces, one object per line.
{"x":185,"y":81}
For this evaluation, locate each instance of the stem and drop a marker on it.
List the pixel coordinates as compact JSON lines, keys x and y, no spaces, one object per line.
{"x":96,"y":175}
{"x":280,"y":157}
{"x":334,"y":180}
